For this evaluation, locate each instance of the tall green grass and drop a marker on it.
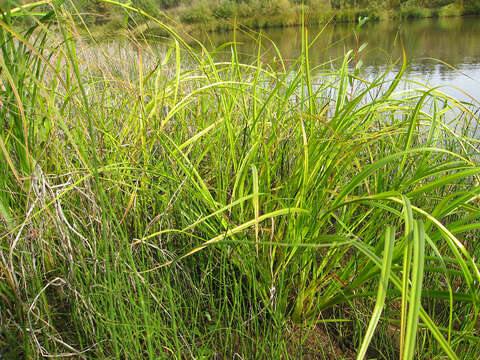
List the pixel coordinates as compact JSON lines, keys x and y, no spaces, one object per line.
{"x":159,"y":203}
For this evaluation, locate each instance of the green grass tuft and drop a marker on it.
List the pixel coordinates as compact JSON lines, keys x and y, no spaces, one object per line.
{"x":158,"y":203}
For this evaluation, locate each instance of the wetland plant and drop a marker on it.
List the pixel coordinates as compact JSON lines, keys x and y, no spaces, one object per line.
{"x":170,"y":205}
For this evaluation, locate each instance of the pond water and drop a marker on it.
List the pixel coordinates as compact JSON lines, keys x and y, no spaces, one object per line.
{"x":442,"y":52}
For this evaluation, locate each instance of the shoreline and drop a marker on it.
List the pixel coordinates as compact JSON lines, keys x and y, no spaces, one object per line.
{"x":202,"y":21}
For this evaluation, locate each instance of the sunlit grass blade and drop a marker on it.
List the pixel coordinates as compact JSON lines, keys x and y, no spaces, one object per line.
{"x":407,"y":255}
{"x":256,"y":204}
{"x":231,"y":232}
{"x":429,"y":323}
{"x":381,"y":293}
{"x":415,"y":294}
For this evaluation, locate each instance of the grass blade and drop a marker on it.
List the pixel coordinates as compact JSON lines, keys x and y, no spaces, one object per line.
{"x":382,"y":291}
{"x":418,"y":261}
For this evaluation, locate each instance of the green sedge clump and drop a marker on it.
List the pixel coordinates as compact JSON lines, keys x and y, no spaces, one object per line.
{"x":158,"y":203}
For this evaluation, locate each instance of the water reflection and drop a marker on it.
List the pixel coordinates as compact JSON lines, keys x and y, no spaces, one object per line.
{"x":454,"y":41}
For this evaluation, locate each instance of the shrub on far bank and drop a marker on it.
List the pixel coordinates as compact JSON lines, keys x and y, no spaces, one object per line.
{"x":200,"y":13}
{"x":413,"y":12}
{"x":449,"y":10}
{"x":225,"y":9}
{"x":471,"y":7}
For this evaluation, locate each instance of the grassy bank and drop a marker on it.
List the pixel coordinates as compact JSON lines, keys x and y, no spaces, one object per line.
{"x":203,"y":16}
{"x":217,"y":15}
{"x":155,"y":203}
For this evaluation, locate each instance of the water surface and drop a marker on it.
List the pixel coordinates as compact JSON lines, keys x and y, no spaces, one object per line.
{"x":443,"y":52}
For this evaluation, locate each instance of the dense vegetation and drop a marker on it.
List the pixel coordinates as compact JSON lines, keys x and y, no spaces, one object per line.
{"x":220,"y":14}
{"x":196,"y":15}
{"x":156,"y":203}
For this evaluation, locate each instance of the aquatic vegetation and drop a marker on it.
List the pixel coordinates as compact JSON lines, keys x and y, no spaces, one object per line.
{"x":157,"y":203}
